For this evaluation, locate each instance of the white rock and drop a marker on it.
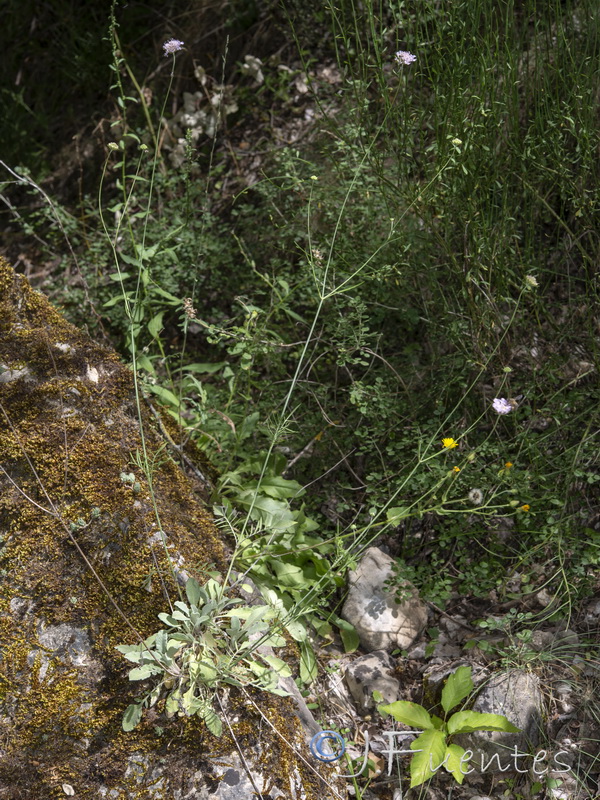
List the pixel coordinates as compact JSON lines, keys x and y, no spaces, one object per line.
{"x":381,"y":623}
{"x":370,"y":673}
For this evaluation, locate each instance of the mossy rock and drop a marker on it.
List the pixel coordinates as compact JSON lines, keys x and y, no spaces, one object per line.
{"x":69,"y":594}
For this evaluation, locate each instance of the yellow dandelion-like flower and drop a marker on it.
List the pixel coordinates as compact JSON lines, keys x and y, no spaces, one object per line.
{"x":508,"y":465}
{"x":525,"y":507}
{"x":455,"y":469}
{"x":449,"y":443}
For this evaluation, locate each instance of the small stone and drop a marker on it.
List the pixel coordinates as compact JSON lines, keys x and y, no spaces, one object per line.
{"x":517,"y":696}
{"x":372,"y":673}
{"x":381,"y":623}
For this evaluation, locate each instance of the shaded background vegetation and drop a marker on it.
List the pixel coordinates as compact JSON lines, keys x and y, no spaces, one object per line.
{"x":439,"y":188}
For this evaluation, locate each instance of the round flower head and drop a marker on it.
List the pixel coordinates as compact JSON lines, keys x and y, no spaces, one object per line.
{"x":403,"y":57}
{"x":502,"y":406}
{"x":172,"y":46}
{"x":475,"y":497}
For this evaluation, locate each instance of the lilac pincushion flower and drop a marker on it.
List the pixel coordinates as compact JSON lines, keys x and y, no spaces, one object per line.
{"x":403,"y":57}
{"x":502,"y":406}
{"x":172,"y":46}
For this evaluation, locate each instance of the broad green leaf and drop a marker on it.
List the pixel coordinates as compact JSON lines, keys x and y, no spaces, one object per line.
{"x":167,"y":396}
{"x":172,"y":703}
{"x":348,"y":634}
{"x":453,"y":764}
{"x":280,"y":488}
{"x":438,"y":723}
{"x":308,"y":663}
{"x":206,"y":672}
{"x":296,"y":630}
{"x":396,"y":514}
{"x":130,"y":260}
{"x":208,"y":369}
{"x":289,"y":575}
{"x":143,"y":362}
{"x":167,"y":295}
{"x":411,"y":714}
{"x":274,"y":514}
{"x":469,"y":721}
{"x":458,"y":686}
{"x":118,"y":298}
{"x":425,"y":764}
{"x":160,"y":643}
{"x":212,"y":721}
{"x":131,"y":652}
{"x":132,"y":716}
{"x":155,"y":325}
{"x":168,"y":620}
{"x":141,"y":673}
{"x":192,"y":591}
{"x":280,"y":667}
{"x":274,"y":640}
{"x":147,"y":252}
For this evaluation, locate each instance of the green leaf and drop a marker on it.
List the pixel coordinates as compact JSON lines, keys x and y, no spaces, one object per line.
{"x":453,"y":764}
{"x":175,"y":301}
{"x":155,"y":325}
{"x":193,"y":591}
{"x":212,"y":721}
{"x":289,"y":575}
{"x":280,"y":488}
{"x":396,"y":514}
{"x":168,"y":620}
{"x":132,"y":652}
{"x":469,"y":721}
{"x":273,"y":640}
{"x":130,"y":260}
{"x":411,"y":714}
{"x":458,"y":686}
{"x":132,"y":716}
{"x":143,"y":362}
{"x":167,"y":396}
{"x":203,"y":368}
{"x":308,"y":663}
{"x":280,"y":667}
{"x":141,"y":673}
{"x":425,"y":764}
{"x":349,"y":636}
{"x":296,"y":630}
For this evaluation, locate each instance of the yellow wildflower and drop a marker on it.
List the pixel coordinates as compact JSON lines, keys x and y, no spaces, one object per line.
{"x":449,"y":443}
{"x":508,"y":465}
{"x":455,"y":469}
{"x":525,"y":507}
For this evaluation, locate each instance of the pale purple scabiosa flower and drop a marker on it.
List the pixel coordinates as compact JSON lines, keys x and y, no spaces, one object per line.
{"x":172,"y":46}
{"x":404,"y":58}
{"x":502,"y":406}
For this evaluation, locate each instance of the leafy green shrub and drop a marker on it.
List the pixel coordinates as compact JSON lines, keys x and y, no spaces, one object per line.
{"x":211,"y":641}
{"x":433,"y":747}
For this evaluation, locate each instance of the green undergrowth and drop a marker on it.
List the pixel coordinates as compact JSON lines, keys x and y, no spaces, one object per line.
{"x":333,"y":330}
